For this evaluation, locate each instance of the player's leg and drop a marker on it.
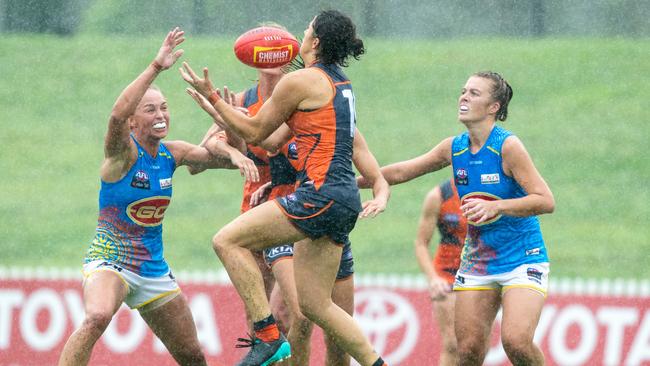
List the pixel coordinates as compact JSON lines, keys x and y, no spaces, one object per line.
{"x":279,"y":309}
{"x":299,"y":335}
{"x":522,"y":308}
{"x":316,"y":264}
{"x":475,"y":311}
{"x":261,"y":227}
{"x":343,"y":296}
{"x":444,"y":312}
{"x":103,"y":293}
{"x":173,"y":323}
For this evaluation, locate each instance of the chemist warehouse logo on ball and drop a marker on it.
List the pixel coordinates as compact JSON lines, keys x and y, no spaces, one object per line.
{"x":272,"y":55}
{"x":149,"y":211}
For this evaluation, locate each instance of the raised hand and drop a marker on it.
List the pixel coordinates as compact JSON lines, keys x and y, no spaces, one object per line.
{"x":166,"y":56}
{"x":203,"y":86}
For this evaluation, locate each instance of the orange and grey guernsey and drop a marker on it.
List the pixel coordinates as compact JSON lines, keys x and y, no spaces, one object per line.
{"x":253,"y":102}
{"x":325,"y":138}
{"x":452,"y":226}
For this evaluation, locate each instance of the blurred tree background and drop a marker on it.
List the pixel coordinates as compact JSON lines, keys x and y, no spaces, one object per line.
{"x":380,"y":18}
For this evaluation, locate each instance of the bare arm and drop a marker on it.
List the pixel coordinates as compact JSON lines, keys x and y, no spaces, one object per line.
{"x":219,"y":124}
{"x":368,"y":167}
{"x":277,"y":139}
{"x":119,"y":151}
{"x":438,"y":287}
{"x":288,"y":94}
{"x":518,"y":164}
{"x":403,"y":171}
{"x":215,"y":154}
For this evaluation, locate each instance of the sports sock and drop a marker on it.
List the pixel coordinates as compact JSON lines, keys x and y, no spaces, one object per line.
{"x":380,"y":362}
{"x":266,"y":329}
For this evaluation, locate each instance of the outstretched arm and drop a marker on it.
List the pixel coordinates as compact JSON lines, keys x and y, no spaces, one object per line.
{"x":219,"y":124}
{"x":403,"y":171}
{"x":216,"y":154}
{"x":287,"y":95}
{"x":367,"y":165}
{"x":119,"y":150}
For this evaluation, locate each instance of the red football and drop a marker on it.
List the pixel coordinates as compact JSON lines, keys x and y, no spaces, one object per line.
{"x":266,"y":47}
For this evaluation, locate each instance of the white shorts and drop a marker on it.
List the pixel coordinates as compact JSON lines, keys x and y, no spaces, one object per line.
{"x":142,"y":291}
{"x":533,"y":276}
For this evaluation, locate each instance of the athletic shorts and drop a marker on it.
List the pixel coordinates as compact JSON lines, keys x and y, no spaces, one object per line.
{"x":317,"y":216}
{"x":533,"y":276}
{"x":142,"y":291}
{"x":346,"y":266}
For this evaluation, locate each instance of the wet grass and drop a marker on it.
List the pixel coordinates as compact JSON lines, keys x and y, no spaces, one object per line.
{"x":578,"y":107}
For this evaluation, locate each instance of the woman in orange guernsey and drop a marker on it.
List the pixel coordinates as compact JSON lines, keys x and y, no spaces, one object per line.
{"x":441,"y":208}
{"x":318,"y":105}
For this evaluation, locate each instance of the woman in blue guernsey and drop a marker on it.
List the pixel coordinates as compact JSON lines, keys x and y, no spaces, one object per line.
{"x":125,"y":260}
{"x":504,"y":261}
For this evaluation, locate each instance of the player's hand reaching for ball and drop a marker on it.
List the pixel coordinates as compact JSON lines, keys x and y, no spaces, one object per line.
{"x":203,"y":86}
{"x":166,"y":56}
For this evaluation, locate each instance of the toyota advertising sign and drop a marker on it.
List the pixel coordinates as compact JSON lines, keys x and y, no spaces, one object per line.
{"x":583,"y":322}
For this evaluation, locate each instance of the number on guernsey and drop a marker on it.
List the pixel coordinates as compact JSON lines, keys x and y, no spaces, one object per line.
{"x":347,"y":93}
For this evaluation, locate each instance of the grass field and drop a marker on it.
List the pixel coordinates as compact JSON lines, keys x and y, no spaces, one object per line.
{"x":580,"y":106}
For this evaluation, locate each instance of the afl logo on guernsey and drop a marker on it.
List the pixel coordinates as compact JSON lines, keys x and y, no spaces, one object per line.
{"x":482,"y":196}
{"x":461,"y":177}
{"x":148,"y":211}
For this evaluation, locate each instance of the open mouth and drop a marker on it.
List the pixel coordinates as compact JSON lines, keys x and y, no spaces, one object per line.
{"x":463,"y":108}
{"x":160,"y":125}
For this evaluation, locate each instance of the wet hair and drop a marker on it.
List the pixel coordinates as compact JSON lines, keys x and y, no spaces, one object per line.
{"x":501,"y":92}
{"x":337,"y":37}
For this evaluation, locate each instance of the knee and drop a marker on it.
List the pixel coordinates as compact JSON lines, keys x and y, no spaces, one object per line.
{"x":449,"y":346}
{"x":517,"y":346}
{"x":302,"y":325}
{"x":189,"y":355}
{"x":220,"y":242}
{"x":470,"y":350}
{"x":310,"y":309}
{"x":97,"y":322}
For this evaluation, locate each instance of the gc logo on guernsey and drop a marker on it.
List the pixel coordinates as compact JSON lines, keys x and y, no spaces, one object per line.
{"x":148,"y":211}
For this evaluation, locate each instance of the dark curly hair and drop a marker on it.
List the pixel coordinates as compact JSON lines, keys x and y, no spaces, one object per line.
{"x":501,"y":92}
{"x":337,"y":37}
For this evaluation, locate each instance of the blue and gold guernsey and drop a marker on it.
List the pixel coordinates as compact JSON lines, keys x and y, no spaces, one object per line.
{"x":501,"y":243}
{"x":131,"y":211}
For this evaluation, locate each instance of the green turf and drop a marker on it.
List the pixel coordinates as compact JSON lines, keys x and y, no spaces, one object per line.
{"x":577,"y":106}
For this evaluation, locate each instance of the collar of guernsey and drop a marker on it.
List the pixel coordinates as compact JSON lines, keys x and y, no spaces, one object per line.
{"x":502,"y":242}
{"x":131,"y":211}
{"x":325,"y":138}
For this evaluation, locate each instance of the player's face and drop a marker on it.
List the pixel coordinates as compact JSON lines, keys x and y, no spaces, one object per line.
{"x":475,"y":102}
{"x":151,"y":117}
{"x":308,"y":40}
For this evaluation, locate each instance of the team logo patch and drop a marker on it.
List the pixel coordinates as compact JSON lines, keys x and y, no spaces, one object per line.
{"x":490,"y":178}
{"x":149,"y":211}
{"x":140,"y":180}
{"x":534,"y":275}
{"x":461,"y":177}
{"x":292,"y":151}
{"x":534,"y":251}
{"x":165,"y":183}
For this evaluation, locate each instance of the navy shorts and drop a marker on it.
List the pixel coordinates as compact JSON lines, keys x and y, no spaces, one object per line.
{"x":317,"y":216}
{"x":346,"y":266}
